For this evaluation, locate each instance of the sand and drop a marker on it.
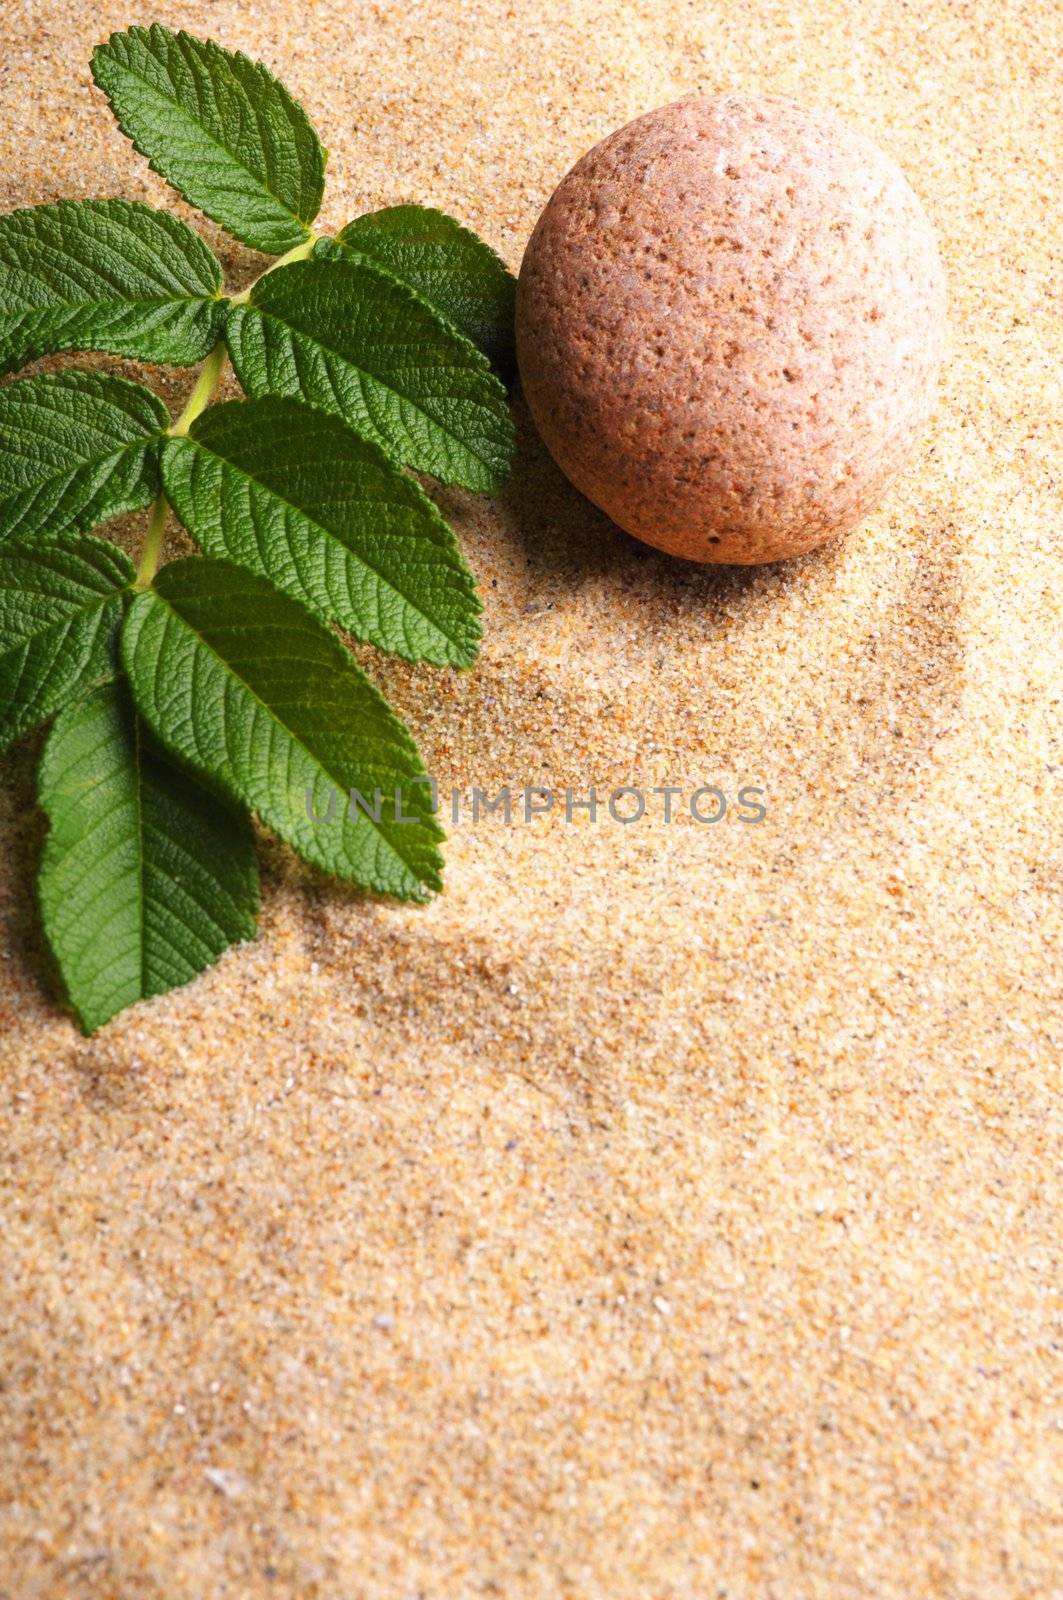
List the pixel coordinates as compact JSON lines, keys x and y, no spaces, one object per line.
{"x":668,"y":1210}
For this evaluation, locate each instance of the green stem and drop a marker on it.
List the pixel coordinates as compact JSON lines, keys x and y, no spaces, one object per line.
{"x":203,"y":393}
{"x":149,"y":557}
{"x":299,"y":252}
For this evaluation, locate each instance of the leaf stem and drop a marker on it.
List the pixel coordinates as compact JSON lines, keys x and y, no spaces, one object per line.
{"x":203,"y":393}
{"x":299,"y":252}
{"x":149,"y":556}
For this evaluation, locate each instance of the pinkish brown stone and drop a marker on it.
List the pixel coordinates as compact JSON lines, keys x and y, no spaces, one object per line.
{"x":730,"y":319}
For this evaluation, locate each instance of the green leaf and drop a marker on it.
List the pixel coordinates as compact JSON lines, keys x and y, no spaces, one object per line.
{"x":75,"y":449}
{"x":220,"y":129}
{"x":105,"y":275}
{"x":146,"y":876}
{"x":60,"y":606}
{"x":297,"y":495}
{"x":350,"y":338}
{"x":447,"y":265}
{"x":238,"y":679}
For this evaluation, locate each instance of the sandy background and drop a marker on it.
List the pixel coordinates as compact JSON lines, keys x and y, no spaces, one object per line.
{"x":667,"y":1211}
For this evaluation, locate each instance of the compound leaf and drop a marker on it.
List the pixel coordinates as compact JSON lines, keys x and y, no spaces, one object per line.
{"x":447,"y":265}
{"x":297,"y":495}
{"x":242,"y":682}
{"x":220,"y":129}
{"x":108,"y":275}
{"x":146,"y":877}
{"x":60,"y":605}
{"x":350,"y":338}
{"x":75,"y":449}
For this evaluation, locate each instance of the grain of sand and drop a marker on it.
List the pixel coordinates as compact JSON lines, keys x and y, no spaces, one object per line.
{"x":667,"y":1210}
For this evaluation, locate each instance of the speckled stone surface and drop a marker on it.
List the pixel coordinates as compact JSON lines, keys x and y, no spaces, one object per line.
{"x":730,"y":320}
{"x":667,"y":1211}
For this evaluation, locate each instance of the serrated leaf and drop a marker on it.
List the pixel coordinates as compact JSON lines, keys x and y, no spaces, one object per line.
{"x":75,"y":449}
{"x":146,"y":876}
{"x":350,"y":338}
{"x":109,"y":275}
{"x":447,"y":265}
{"x":220,"y":129}
{"x":241,"y":681}
{"x":60,"y":605}
{"x":297,"y":495}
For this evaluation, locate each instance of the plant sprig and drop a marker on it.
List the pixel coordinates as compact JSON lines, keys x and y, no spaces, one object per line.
{"x":188,"y":697}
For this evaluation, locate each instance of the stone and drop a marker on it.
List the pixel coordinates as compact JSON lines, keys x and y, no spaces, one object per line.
{"x":730,"y":320}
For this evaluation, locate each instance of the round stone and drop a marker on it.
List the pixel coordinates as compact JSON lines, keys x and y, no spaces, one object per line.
{"x":730,"y":319}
